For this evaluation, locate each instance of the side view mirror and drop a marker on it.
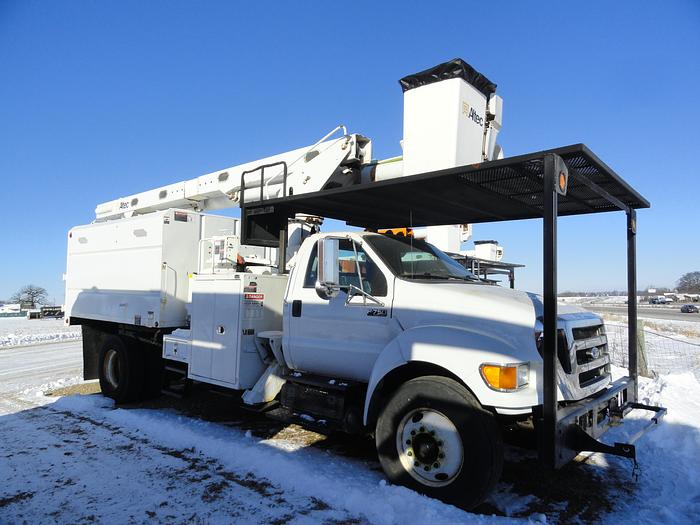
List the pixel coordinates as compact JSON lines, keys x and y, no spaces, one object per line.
{"x":328,"y":280}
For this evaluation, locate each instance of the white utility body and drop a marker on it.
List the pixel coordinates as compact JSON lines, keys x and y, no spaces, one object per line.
{"x":359,"y":326}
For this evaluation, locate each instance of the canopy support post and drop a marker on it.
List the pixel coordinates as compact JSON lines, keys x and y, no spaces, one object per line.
{"x":632,"y":298}
{"x":548,"y":435}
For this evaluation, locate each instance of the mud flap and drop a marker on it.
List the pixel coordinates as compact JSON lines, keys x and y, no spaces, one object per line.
{"x":92,"y":339}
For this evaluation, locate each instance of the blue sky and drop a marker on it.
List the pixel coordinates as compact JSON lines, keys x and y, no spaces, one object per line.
{"x":103,"y":99}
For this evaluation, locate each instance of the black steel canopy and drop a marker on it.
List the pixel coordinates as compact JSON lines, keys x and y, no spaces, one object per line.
{"x":524,"y":187}
{"x":507,"y":189}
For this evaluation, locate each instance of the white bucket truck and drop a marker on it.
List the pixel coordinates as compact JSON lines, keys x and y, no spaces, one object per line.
{"x":368,"y":333}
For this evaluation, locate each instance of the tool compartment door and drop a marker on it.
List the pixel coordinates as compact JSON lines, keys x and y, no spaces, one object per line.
{"x":216,"y":306}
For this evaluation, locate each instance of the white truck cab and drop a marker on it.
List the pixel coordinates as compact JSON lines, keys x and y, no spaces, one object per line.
{"x":400,"y":300}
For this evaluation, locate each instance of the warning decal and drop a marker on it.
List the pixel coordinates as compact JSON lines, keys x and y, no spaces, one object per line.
{"x":253,"y":305}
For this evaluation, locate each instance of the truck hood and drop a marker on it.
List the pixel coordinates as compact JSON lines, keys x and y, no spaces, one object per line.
{"x":485,"y":308}
{"x":476,"y":307}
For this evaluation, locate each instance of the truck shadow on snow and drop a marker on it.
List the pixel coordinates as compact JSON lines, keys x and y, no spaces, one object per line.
{"x":581,"y":492}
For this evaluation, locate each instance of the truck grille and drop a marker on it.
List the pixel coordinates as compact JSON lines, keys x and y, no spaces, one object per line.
{"x":590,"y":348}
{"x":591,"y":376}
{"x":584,"y":332}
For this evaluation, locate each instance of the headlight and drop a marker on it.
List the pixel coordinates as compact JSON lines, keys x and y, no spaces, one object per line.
{"x":505,"y":378}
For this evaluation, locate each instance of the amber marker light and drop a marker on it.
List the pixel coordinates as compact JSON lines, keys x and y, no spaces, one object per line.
{"x":505,"y":378}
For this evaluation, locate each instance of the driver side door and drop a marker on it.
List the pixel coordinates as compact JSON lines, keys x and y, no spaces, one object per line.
{"x":342,"y":336}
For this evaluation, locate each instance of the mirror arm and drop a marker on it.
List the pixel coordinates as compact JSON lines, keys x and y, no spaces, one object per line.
{"x":352,"y":288}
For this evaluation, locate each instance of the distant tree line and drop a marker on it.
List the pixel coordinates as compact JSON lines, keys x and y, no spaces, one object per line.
{"x":689,"y":283}
{"x":30,"y":296}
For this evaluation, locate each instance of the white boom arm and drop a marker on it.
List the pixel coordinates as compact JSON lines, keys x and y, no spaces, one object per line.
{"x":452,"y":117}
{"x":309,"y":169}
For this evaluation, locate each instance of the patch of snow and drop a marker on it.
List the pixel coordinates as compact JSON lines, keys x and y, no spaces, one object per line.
{"x":20,"y":331}
{"x":668,"y":489}
{"x":510,"y":503}
{"x":340,"y":482}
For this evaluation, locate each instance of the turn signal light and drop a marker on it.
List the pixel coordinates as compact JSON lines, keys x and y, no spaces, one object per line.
{"x":505,"y":377}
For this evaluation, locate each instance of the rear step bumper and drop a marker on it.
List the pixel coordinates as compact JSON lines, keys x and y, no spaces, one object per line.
{"x":581,"y":424}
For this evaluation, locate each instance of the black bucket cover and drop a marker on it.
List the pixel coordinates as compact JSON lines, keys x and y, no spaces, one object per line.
{"x":456,"y":68}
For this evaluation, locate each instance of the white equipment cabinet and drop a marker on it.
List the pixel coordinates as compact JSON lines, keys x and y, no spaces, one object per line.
{"x":136,"y":270}
{"x":227,"y":312}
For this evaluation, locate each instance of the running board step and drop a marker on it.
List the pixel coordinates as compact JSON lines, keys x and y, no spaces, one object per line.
{"x":175,"y":370}
{"x":172,"y":393}
{"x":327,"y":383}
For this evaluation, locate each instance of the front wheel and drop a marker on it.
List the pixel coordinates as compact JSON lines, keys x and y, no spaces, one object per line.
{"x":434,"y":437}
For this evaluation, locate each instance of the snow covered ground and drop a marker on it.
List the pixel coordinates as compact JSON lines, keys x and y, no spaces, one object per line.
{"x":17,"y":331}
{"x":594,"y":299}
{"x":78,"y":459}
{"x":689,"y":330}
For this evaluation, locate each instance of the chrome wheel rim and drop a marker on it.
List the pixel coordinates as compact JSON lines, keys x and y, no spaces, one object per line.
{"x":430,"y":447}
{"x":111,"y":368}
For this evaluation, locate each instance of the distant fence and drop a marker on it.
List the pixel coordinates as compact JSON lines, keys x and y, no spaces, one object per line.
{"x":13,"y":314}
{"x":664,"y":354}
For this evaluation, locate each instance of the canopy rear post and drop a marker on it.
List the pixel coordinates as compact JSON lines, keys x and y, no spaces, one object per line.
{"x":548,"y":428}
{"x":632,"y":297}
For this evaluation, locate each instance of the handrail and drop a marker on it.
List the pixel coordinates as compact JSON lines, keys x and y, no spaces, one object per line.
{"x":262,"y":179}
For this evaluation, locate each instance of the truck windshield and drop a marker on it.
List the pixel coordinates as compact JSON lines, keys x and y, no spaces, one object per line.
{"x":411,"y":258}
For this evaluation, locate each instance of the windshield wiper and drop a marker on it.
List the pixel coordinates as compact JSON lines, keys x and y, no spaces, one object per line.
{"x":428,"y":275}
{"x":425,"y":275}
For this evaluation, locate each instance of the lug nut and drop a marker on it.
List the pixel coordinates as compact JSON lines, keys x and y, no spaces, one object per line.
{"x":409,"y":453}
{"x":413,"y":432}
{"x":436,"y":465}
{"x":408,"y":441}
{"x":422,"y":429}
{"x":439,"y":443}
{"x":441,"y":455}
{"x":426,"y":468}
{"x":416,"y":464}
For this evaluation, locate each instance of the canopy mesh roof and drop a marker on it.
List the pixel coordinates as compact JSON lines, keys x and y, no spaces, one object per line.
{"x":507,"y":189}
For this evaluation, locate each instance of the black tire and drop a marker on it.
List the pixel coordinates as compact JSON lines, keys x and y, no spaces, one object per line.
{"x":476,"y":429}
{"x":121,"y":370}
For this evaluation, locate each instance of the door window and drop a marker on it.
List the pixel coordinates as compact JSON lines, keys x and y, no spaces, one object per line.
{"x":356,"y":270}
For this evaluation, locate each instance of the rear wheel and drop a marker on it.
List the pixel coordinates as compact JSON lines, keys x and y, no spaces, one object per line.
{"x":121,"y":370}
{"x":434,"y":437}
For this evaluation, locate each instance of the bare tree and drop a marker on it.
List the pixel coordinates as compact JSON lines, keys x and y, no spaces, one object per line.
{"x":689,"y":283}
{"x":30,"y":296}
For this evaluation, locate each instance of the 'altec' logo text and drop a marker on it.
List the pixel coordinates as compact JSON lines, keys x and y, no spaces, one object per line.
{"x":472,"y":114}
